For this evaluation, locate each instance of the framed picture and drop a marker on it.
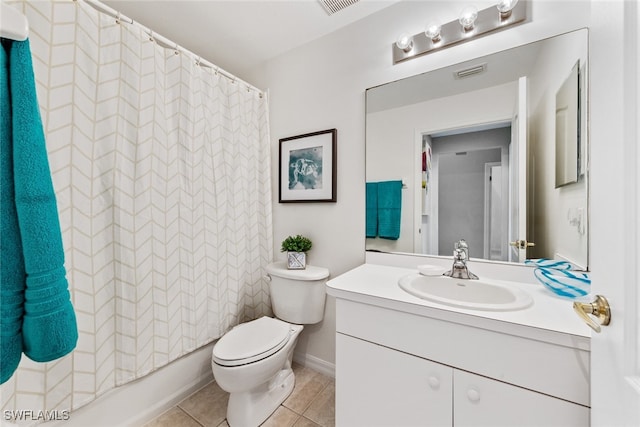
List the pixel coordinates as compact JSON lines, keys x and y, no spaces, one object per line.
{"x":308,"y":167}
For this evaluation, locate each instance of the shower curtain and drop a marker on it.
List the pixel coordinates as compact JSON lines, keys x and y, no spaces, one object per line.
{"x":162,"y":172}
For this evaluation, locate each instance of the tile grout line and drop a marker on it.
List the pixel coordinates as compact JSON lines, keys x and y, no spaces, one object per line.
{"x":314,"y":397}
{"x":302,"y":411}
{"x":189,"y":415}
{"x":313,"y":400}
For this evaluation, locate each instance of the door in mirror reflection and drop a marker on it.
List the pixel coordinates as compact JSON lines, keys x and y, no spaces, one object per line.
{"x":466,"y":196}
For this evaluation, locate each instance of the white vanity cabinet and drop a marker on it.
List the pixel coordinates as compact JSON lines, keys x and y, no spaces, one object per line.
{"x":480,"y":401}
{"x":397,"y":368}
{"x":378,"y":386}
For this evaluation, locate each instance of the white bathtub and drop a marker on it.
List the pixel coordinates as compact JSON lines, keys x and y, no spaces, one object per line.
{"x":138,"y":402}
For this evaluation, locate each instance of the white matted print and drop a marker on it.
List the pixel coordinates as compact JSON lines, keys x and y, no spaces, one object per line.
{"x":308,"y":167}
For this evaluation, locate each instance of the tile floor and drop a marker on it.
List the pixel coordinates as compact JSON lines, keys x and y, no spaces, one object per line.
{"x":311,"y":404}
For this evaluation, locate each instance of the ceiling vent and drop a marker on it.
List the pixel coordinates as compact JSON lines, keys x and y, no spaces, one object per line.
{"x":333,"y":6}
{"x":471,"y":71}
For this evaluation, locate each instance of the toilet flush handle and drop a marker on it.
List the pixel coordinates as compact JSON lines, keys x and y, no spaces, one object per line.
{"x":267,"y":277}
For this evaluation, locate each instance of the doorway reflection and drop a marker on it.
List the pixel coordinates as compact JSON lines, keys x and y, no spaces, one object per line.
{"x":466,"y":193}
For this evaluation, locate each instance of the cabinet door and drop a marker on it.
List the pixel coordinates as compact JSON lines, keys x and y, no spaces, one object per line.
{"x":480,"y":401}
{"x":378,"y":386}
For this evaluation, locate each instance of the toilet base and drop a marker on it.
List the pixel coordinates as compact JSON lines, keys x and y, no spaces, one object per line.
{"x":252,"y":408}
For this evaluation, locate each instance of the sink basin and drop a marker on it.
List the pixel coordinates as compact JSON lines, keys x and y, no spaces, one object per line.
{"x":470,"y":294}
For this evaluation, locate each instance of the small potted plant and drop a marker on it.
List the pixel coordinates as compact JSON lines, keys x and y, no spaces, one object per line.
{"x":296,"y":248}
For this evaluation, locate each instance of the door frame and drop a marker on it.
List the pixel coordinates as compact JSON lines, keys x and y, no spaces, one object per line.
{"x":615,"y":196}
{"x":433,"y":183}
{"x":488,"y":201}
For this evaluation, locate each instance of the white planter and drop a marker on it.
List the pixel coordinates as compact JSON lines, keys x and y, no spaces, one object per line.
{"x":296,"y":260}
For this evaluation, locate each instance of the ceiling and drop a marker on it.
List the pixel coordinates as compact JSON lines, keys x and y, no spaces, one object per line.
{"x":238,"y":35}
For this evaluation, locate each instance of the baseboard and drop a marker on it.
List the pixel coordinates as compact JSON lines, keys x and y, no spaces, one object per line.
{"x":316,"y":364}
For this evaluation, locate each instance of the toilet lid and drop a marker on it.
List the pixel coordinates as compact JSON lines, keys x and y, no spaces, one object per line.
{"x":251,"y":341}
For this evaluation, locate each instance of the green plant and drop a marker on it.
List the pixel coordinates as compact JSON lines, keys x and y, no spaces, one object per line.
{"x":296,"y":244}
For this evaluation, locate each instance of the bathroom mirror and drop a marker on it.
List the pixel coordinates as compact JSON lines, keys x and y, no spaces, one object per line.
{"x":474,"y":147}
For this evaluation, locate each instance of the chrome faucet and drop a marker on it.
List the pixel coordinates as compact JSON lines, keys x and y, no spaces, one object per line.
{"x":459,"y":270}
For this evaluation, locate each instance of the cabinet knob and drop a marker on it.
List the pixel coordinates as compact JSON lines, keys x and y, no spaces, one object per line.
{"x":473,"y":395}
{"x":434,"y":382}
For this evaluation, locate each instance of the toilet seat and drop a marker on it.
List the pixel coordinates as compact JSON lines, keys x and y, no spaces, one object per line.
{"x":251,"y":341}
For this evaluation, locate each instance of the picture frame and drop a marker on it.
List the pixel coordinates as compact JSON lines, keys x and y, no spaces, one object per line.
{"x":307,"y":171}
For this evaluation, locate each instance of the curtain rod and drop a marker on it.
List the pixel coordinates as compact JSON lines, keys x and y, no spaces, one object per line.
{"x":168,"y":44}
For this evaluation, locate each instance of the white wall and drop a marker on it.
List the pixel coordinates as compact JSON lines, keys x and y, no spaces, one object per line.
{"x":552,"y":232}
{"x":321,"y":86}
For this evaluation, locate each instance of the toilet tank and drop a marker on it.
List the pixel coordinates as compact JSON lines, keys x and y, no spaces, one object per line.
{"x":297,"y":296}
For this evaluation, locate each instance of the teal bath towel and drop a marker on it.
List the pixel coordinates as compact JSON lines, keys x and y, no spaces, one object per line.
{"x":389,"y":209}
{"x":49,"y":329}
{"x":11,"y":264}
{"x":372,"y":209}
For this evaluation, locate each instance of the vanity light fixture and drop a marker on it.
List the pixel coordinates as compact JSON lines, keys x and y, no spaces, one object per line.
{"x":433,"y":32}
{"x":404,"y":42}
{"x":468,"y":17}
{"x":505,"y":7}
{"x":471,"y":23}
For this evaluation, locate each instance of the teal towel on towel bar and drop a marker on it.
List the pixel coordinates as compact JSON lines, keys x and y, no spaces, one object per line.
{"x":372,"y":209}
{"x":389,"y":209}
{"x":12,"y":273}
{"x":49,"y":329}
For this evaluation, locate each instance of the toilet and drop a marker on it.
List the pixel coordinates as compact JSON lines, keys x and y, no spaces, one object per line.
{"x":252,"y":362}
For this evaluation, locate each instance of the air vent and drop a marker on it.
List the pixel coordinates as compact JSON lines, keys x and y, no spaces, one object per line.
{"x":468,"y":72}
{"x":333,"y":6}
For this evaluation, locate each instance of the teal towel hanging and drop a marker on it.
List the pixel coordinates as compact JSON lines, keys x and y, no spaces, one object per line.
{"x":49,"y":329}
{"x":389,"y":209}
{"x":12,"y":263}
{"x":372,"y":209}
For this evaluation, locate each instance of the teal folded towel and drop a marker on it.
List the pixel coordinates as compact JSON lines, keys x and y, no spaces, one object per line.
{"x":12,"y":264}
{"x":372,"y":209}
{"x":49,"y":326}
{"x":389,"y":209}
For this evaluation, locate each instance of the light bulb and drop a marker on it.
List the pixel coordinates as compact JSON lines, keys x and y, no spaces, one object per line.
{"x":432,"y":31}
{"x":404,"y":42}
{"x":505,"y":7}
{"x":468,"y":17}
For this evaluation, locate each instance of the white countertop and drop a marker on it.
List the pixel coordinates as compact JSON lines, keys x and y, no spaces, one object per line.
{"x":549,"y":318}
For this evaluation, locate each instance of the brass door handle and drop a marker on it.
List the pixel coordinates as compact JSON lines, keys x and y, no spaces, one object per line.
{"x":598,"y":308}
{"x":522,"y":244}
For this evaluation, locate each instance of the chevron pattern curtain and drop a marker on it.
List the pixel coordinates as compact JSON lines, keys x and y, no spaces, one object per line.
{"x":162,"y":173}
